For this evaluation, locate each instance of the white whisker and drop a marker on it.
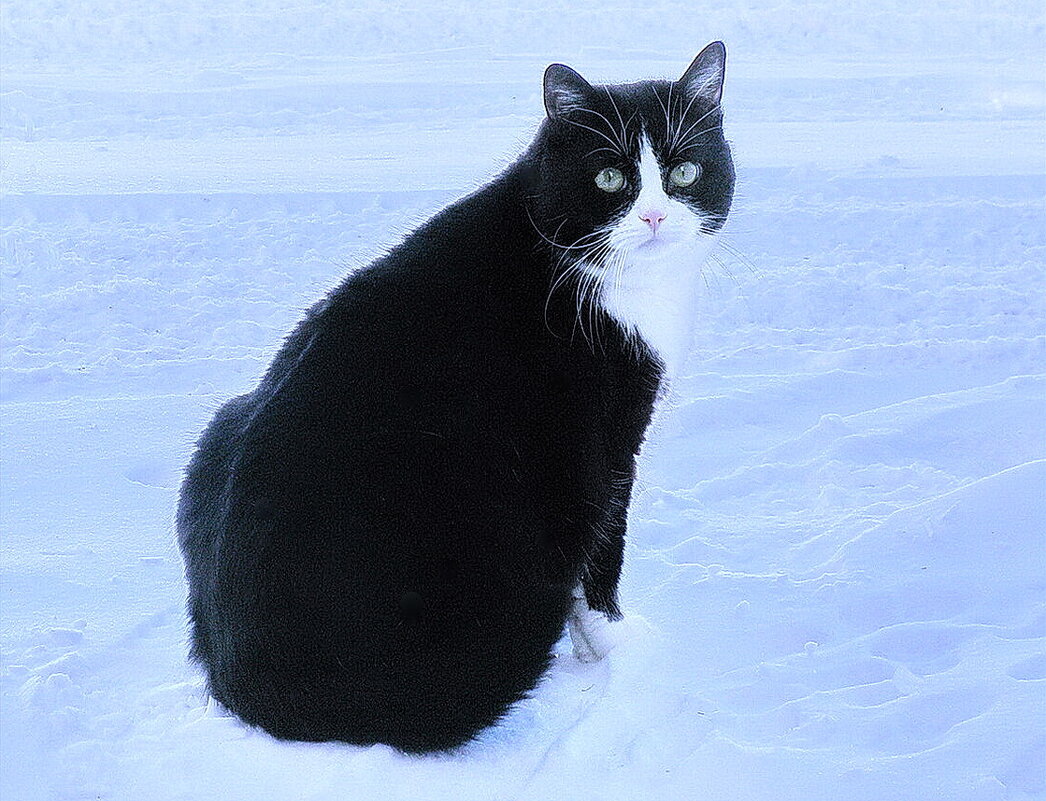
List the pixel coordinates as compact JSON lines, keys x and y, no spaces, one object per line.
{"x":668,"y":121}
{"x":696,"y":122}
{"x":618,"y":143}
{"x":682,"y":118}
{"x":583,"y":288}
{"x":691,"y":140}
{"x":573,"y":246}
{"x":594,"y":249}
{"x":620,"y":119}
{"x":597,"y":133}
{"x":737,"y":254}
{"x":628,"y":125}
{"x":671,"y":86}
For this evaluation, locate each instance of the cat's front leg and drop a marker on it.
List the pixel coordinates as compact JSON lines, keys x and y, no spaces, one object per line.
{"x":599,"y":581}
{"x":596,"y":606}
{"x":606,"y":548}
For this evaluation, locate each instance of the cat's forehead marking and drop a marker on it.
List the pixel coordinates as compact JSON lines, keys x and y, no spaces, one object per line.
{"x":651,"y":186}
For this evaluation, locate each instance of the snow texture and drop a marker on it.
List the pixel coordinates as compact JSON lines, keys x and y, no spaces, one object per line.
{"x":834,"y":580}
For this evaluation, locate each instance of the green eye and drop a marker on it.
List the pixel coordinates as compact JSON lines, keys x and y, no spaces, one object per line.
{"x":610,"y":179}
{"x":684,"y":173}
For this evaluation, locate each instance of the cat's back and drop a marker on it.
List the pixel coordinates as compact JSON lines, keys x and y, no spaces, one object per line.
{"x":441,"y":327}
{"x":384,"y":401}
{"x":368,"y":513}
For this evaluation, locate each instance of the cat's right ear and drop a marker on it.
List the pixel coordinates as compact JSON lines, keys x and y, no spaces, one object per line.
{"x":565,"y":91}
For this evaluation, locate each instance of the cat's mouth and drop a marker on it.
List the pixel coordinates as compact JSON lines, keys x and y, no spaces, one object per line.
{"x":656,"y":242}
{"x":645,"y":246}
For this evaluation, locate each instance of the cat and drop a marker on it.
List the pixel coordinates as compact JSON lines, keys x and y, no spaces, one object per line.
{"x":386,"y":538}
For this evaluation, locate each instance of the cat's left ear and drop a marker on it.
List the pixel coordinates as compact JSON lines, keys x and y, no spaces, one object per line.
{"x":704,"y":76}
{"x":565,"y":91}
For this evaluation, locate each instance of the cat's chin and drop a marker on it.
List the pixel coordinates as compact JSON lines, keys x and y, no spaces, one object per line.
{"x":658,"y":248}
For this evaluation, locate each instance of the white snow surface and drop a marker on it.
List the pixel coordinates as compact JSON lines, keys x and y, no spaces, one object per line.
{"x":836,"y":563}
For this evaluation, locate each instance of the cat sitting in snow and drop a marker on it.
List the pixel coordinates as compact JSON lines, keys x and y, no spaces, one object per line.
{"x":384,"y":540}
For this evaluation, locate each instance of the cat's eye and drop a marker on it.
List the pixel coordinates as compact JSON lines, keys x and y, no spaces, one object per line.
{"x":684,"y":173}
{"x":610,"y":179}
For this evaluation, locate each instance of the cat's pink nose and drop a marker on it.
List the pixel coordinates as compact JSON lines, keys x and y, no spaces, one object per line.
{"x":653,"y":218}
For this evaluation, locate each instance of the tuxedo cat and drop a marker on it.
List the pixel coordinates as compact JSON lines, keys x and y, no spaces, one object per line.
{"x":385,"y":539}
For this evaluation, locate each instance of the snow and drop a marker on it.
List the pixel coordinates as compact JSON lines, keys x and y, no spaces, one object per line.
{"x":834,"y":582}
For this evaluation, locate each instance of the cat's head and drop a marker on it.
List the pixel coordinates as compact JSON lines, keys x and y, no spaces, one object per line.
{"x":634,"y":180}
{"x":647,"y":160}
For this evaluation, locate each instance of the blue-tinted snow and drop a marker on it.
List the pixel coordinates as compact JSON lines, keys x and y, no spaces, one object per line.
{"x":835,"y":572}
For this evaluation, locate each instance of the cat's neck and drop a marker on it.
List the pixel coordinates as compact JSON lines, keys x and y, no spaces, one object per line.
{"x":655,"y":302}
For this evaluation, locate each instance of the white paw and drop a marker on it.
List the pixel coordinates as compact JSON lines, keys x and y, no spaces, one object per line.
{"x":592,"y":635}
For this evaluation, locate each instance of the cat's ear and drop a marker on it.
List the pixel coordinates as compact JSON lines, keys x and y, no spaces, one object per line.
{"x":565,"y":91}
{"x":704,"y":76}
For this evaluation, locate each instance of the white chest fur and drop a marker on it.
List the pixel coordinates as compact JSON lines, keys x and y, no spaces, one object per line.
{"x":656,"y":302}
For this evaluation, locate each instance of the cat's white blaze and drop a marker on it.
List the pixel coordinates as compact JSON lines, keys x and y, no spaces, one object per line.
{"x":652,"y":288}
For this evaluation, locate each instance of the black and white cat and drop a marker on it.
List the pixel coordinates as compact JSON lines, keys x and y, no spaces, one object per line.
{"x":384,"y":540}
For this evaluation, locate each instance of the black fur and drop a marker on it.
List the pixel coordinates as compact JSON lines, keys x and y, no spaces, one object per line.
{"x":382,"y":539}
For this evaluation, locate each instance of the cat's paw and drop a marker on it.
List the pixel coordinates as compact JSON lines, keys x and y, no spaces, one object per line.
{"x":590,"y":635}
{"x":588,"y":632}
{"x":593,"y":636}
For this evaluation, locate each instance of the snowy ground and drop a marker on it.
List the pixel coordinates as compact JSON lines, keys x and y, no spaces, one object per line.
{"x":836,"y":566}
